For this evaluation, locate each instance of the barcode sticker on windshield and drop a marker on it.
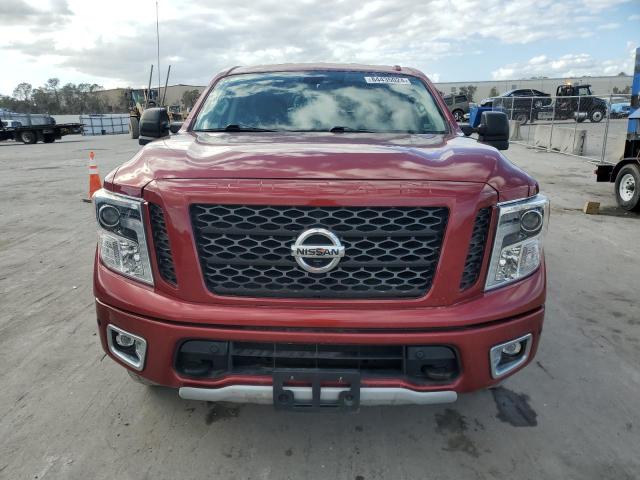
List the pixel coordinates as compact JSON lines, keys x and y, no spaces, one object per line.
{"x":392,"y":80}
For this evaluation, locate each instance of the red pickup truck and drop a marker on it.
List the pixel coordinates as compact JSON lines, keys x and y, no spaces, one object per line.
{"x":320,"y":237}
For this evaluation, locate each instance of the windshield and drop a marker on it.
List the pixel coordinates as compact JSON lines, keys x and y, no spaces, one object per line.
{"x":321,"y":101}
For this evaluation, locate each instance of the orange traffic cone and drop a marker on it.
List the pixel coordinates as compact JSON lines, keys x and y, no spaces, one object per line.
{"x":95,"y":183}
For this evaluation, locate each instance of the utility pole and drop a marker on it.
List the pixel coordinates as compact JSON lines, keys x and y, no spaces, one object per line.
{"x":158,"y":42}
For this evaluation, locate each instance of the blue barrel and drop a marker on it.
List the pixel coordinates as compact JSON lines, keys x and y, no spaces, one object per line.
{"x":475,"y":114}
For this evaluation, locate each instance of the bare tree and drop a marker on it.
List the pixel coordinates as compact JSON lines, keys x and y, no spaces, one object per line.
{"x":23,"y":92}
{"x":52,"y":86}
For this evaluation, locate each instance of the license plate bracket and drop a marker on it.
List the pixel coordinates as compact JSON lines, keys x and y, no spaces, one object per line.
{"x":345,"y":388}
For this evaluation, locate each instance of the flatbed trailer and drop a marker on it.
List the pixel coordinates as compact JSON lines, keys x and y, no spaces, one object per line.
{"x":626,"y":172}
{"x":44,"y":133}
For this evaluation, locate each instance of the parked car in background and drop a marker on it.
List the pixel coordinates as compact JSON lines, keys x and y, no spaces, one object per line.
{"x":520,"y":104}
{"x":519,"y":97}
{"x":620,"y":109}
{"x":458,"y":105}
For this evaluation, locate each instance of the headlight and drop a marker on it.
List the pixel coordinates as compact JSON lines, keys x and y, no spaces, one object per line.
{"x":517,"y":248}
{"x":122,"y":244}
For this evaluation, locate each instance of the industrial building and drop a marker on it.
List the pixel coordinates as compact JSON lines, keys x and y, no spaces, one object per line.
{"x":600,"y":85}
{"x":115,"y":98}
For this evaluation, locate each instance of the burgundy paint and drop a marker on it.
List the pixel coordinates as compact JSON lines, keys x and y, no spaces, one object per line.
{"x":321,"y":169}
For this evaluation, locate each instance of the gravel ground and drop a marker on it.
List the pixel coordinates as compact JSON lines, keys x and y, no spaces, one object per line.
{"x":68,"y":412}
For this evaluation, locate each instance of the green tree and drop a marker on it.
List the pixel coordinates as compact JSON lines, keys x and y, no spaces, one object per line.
{"x":494,"y":92}
{"x":469,"y":91}
{"x":88,"y":101}
{"x":23,"y":92}
{"x":624,"y":91}
{"x":53,"y":99}
{"x":189,"y":98}
{"x":52,"y":87}
{"x":42,"y":101}
{"x":9,"y":103}
{"x":69,"y":99}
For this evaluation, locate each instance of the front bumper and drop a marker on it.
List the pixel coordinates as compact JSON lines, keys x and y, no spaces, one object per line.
{"x":472,"y":344}
{"x":262,"y":394}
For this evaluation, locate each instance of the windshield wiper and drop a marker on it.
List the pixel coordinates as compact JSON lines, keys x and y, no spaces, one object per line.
{"x":235,"y":127}
{"x":341,"y":129}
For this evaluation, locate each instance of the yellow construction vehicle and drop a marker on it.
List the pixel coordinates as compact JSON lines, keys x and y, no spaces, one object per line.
{"x":139,"y":99}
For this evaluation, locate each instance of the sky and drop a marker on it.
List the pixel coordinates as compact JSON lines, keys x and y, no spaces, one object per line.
{"x":113,"y":43}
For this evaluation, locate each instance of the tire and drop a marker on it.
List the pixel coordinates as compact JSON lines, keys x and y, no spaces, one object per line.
{"x":521,"y":117}
{"x":134,"y":127}
{"x":138,"y":379}
{"x":628,"y":187}
{"x":28,"y":137}
{"x":49,"y":138}
{"x":458,"y":115}
{"x":596,"y":115}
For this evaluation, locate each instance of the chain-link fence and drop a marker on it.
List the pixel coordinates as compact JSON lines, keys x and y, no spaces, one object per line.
{"x":589,"y":126}
{"x":108,"y":124}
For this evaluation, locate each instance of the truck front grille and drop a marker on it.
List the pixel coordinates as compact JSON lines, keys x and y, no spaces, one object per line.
{"x":245,"y":250}
{"x":161,"y":243}
{"x":475,"y":255}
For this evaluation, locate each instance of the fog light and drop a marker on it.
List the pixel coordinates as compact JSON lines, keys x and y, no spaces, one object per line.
{"x":124,"y":340}
{"x":513,"y":348}
{"x":127,"y":347}
{"x":509,"y":355}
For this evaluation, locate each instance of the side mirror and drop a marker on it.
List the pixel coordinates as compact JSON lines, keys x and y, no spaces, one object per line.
{"x":466,"y":129}
{"x":174,"y":127}
{"x":154,"y":124}
{"x":494,"y":130}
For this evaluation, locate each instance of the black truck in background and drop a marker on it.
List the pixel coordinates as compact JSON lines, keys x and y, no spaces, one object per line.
{"x":576,"y":102}
{"x":571,"y":102}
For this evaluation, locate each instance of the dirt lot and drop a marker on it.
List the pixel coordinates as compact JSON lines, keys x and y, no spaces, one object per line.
{"x":68,"y":412}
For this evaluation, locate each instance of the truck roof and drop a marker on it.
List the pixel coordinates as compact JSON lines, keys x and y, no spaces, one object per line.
{"x":297,"y":67}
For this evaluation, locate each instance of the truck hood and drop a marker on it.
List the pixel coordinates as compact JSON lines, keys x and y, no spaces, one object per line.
{"x":318,"y":156}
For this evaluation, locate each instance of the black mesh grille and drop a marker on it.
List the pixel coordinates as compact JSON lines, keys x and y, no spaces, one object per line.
{"x":161,"y":242}
{"x":209,"y":359}
{"x":389,"y":252}
{"x":476,"y":249}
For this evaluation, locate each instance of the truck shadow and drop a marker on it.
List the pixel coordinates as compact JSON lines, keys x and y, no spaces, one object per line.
{"x":619,"y":212}
{"x":242,"y":435}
